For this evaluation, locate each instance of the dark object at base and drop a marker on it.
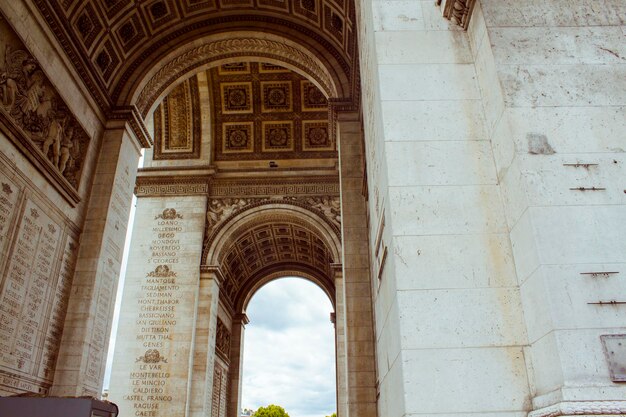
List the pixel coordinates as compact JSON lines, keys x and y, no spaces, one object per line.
{"x":26,"y":406}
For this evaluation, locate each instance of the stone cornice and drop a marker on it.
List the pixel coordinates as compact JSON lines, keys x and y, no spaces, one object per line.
{"x":205,"y":184}
{"x":130,"y":115}
{"x":459,"y":11}
{"x":162,"y":186}
{"x":572,"y":408}
{"x":310,"y":186}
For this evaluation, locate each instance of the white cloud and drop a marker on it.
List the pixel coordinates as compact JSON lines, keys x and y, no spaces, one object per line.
{"x":289,"y":350}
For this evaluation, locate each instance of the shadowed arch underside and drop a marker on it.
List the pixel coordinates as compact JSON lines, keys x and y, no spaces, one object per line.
{"x":269,"y":241}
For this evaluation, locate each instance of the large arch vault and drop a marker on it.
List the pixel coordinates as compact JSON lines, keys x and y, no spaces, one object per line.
{"x":455,"y":187}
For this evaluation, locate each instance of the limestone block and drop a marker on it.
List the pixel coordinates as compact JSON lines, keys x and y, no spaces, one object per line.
{"x":471,"y":380}
{"x":571,"y":129}
{"x":546,"y":364}
{"x":440,"y":163}
{"x":554,"y":13}
{"x":563,"y":85}
{"x":568,"y":294}
{"x":583,"y":360}
{"x":453,"y":261}
{"x":388,"y":340}
{"x":477,"y":28}
{"x":489,"y":84}
{"x":423,"y":47}
{"x":397,"y":15}
{"x":553,"y":180}
{"x":558,"y":45}
{"x":580,"y":234}
{"x":433,"y":17}
{"x":433,"y":120}
{"x":536,"y":301}
{"x":391,"y":400}
{"x":502,"y":145}
{"x":446,"y":210}
{"x":524,"y":244}
{"x":461,"y":318}
{"x":428,"y":82}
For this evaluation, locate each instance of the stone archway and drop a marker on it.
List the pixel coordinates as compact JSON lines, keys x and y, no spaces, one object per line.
{"x":218,"y":206}
{"x":251,"y":247}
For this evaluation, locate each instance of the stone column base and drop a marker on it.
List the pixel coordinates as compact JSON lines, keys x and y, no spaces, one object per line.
{"x":582,"y":408}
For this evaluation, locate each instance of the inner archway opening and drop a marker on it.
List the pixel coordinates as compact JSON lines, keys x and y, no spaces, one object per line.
{"x":289,"y":349}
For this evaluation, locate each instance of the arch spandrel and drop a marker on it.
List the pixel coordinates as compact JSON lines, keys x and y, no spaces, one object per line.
{"x":221,"y":234}
{"x":257,"y":242}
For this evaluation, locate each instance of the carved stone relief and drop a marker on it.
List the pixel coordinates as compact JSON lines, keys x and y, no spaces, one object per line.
{"x":35,"y":114}
{"x":222,"y":340}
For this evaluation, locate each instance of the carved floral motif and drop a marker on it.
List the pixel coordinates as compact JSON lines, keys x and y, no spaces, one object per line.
{"x":151,"y":356}
{"x":161,"y":271}
{"x":169,"y":214}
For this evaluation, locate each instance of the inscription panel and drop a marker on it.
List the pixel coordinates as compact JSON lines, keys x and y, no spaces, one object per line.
{"x":37,"y":273}
{"x":9,"y":198}
{"x":151,"y":365}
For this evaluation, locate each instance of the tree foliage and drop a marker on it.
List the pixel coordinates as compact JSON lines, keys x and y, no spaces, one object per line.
{"x":271,"y":410}
{"x":332,"y":415}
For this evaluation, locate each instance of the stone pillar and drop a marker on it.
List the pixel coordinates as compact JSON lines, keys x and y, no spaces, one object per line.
{"x":449,"y":324}
{"x":154,"y":350}
{"x":340,"y":342}
{"x":204,"y":352}
{"x":360,"y":360}
{"x":552,"y":76}
{"x":82,"y":357}
{"x":235,"y":370}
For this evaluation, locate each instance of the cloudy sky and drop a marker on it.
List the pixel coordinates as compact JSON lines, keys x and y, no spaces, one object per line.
{"x":289,"y":349}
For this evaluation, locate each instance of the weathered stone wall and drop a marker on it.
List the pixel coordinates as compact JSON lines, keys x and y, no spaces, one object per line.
{"x":449,"y":321}
{"x":553,"y":79}
{"x":496,"y":190}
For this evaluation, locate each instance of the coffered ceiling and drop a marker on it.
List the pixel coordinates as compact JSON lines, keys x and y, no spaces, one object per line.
{"x":110,"y":41}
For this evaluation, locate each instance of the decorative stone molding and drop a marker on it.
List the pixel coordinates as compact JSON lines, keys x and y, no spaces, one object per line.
{"x":131,"y":115}
{"x":240,"y":46}
{"x":459,"y":11}
{"x":313,"y":186}
{"x":161,"y":186}
{"x":573,"y":408}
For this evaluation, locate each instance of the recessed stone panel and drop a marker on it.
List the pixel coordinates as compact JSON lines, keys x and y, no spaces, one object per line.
{"x":278,"y":136}
{"x":276,"y":96}
{"x":312,"y":98}
{"x":236,"y":98}
{"x":316,"y":136}
{"x":238,"y":137}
